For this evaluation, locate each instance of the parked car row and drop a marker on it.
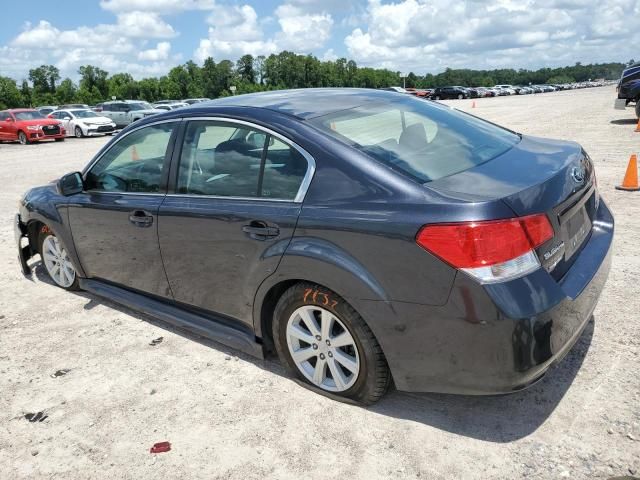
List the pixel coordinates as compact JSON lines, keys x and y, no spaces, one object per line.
{"x":56,"y":122}
{"x":460,"y":92}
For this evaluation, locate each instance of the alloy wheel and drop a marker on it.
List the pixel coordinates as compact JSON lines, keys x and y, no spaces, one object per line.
{"x":22,"y":138}
{"x":322,"y":348}
{"x":78,"y":132}
{"x":57,"y":262}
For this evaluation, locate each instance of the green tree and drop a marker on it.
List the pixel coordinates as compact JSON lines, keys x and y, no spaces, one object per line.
{"x":91,"y":77}
{"x":123,"y":86}
{"x":10,"y":96}
{"x":44,"y":78}
{"x":66,"y":92}
{"x":25,"y":91}
{"x":244,"y":67}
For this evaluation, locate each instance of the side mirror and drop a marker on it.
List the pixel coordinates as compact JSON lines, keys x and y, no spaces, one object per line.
{"x":67,"y":118}
{"x":70,"y":184}
{"x":8,"y":119}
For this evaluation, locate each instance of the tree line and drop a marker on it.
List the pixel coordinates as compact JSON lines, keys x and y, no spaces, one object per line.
{"x":44,"y":85}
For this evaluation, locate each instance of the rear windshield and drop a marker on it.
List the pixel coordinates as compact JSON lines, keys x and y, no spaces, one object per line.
{"x":28,"y":115}
{"x":418,"y":138}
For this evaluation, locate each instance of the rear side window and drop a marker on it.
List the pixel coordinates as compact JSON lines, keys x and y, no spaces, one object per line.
{"x":423,"y":140}
{"x":231,"y":160}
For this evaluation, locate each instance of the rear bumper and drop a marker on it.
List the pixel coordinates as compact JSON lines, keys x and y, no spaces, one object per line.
{"x":498,"y":338}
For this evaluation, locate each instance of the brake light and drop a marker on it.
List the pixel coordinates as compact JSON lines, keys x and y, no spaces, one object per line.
{"x":490,"y":251}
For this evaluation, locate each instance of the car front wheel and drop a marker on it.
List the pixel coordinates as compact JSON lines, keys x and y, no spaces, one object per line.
{"x":22,"y":138}
{"x":78,"y":132}
{"x":57,"y":262}
{"x":324,"y":342}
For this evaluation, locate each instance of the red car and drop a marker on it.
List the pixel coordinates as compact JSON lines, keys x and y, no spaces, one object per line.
{"x":27,"y":125}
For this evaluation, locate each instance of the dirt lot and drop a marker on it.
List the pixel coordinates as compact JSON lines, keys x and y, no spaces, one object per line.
{"x":229,"y":416}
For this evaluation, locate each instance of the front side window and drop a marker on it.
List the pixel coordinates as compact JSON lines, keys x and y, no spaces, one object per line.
{"x":133,"y":164}
{"x":229,"y":160}
{"x":423,"y":140}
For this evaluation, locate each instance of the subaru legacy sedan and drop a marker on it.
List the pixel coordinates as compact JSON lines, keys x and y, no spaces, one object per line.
{"x":365,"y":237}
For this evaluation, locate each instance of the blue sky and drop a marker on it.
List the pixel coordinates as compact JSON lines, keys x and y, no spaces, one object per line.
{"x":148,"y":37}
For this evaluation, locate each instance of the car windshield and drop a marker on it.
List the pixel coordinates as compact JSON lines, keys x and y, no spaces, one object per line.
{"x":28,"y":115}
{"x":423,"y":140}
{"x":140,"y":106}
{"x":83,"y":113}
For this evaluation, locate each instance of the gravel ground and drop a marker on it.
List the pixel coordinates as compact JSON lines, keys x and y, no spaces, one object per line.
{"x":230,"y":416}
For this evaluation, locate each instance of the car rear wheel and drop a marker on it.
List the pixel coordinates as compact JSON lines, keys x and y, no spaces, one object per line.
{"x":437,"y":97}
{"x":78,"y":132}
{"x":22,"y":138}
{"x":323,"y":341}
{"x":57,"y":262}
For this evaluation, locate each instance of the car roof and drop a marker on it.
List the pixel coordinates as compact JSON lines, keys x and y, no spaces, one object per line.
{"x":22,"y":110}
{"x":305,"y":103}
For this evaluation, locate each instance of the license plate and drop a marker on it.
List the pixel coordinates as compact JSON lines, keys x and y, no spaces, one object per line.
{"x":576,"y":230}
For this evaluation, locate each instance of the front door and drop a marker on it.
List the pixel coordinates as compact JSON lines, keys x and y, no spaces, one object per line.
{"x":233,"y":213}
{"x":114,"y":222}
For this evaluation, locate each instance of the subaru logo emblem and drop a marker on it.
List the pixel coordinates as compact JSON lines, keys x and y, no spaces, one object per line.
{"x":577,"y":173}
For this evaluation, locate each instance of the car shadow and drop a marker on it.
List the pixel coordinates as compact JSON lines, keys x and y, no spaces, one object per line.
{"x":495,"y":418}
{"x":624,"y":121}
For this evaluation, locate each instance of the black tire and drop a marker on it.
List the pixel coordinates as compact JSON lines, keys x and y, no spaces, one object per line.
{"x":23,"y":139}
{"x":42,"y":235}
{"x":78,"y":132}
{"x":638,"y":109}
{"x":460,"y":96}
{"x":374,"y":377}
{"x":59,"y":139}
{"x":437,"y":97}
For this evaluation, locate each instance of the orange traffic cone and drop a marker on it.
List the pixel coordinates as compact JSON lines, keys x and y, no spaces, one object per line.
{"x":630,"y":181}
{"x":473,"y":105}
{"x":134,"y":154}
{"x":638,"y":126}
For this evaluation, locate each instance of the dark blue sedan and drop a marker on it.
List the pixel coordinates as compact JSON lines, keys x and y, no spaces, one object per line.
{"x":364,"y":236}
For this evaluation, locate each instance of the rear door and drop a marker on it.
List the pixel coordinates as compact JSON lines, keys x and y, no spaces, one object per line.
{"x":114,"y":222}
{"x":237,"y":197}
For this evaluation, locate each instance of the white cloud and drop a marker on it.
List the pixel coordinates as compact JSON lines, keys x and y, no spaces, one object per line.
{"x":161,"y":52}
{"x":423,"y":36}
{"x":237,"y":30}
{"x":144,"y":25}
{"x":157,"y":6}
{"x":302,"y":31}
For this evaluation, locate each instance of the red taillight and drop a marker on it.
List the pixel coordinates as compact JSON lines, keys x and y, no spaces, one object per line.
{"x":481,"y":244}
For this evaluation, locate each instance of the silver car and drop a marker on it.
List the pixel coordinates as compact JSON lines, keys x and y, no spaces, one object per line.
{"x":125,"y":112}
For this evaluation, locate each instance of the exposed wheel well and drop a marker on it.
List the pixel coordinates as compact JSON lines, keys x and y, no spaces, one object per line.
{"x":266,"y":312}
{"x":34,"y":228}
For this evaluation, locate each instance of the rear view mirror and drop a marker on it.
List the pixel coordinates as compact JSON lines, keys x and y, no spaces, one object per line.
{"x":70,"y":184}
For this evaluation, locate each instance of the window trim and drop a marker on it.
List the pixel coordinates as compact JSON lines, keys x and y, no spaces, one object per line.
{"x":166,"y":165}
{"x":304,"y":185}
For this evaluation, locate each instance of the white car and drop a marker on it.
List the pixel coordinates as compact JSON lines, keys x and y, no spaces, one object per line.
{"x":84,"y":122}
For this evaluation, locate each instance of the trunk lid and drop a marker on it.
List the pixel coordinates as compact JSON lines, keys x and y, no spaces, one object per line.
{"x":537,"y":176}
